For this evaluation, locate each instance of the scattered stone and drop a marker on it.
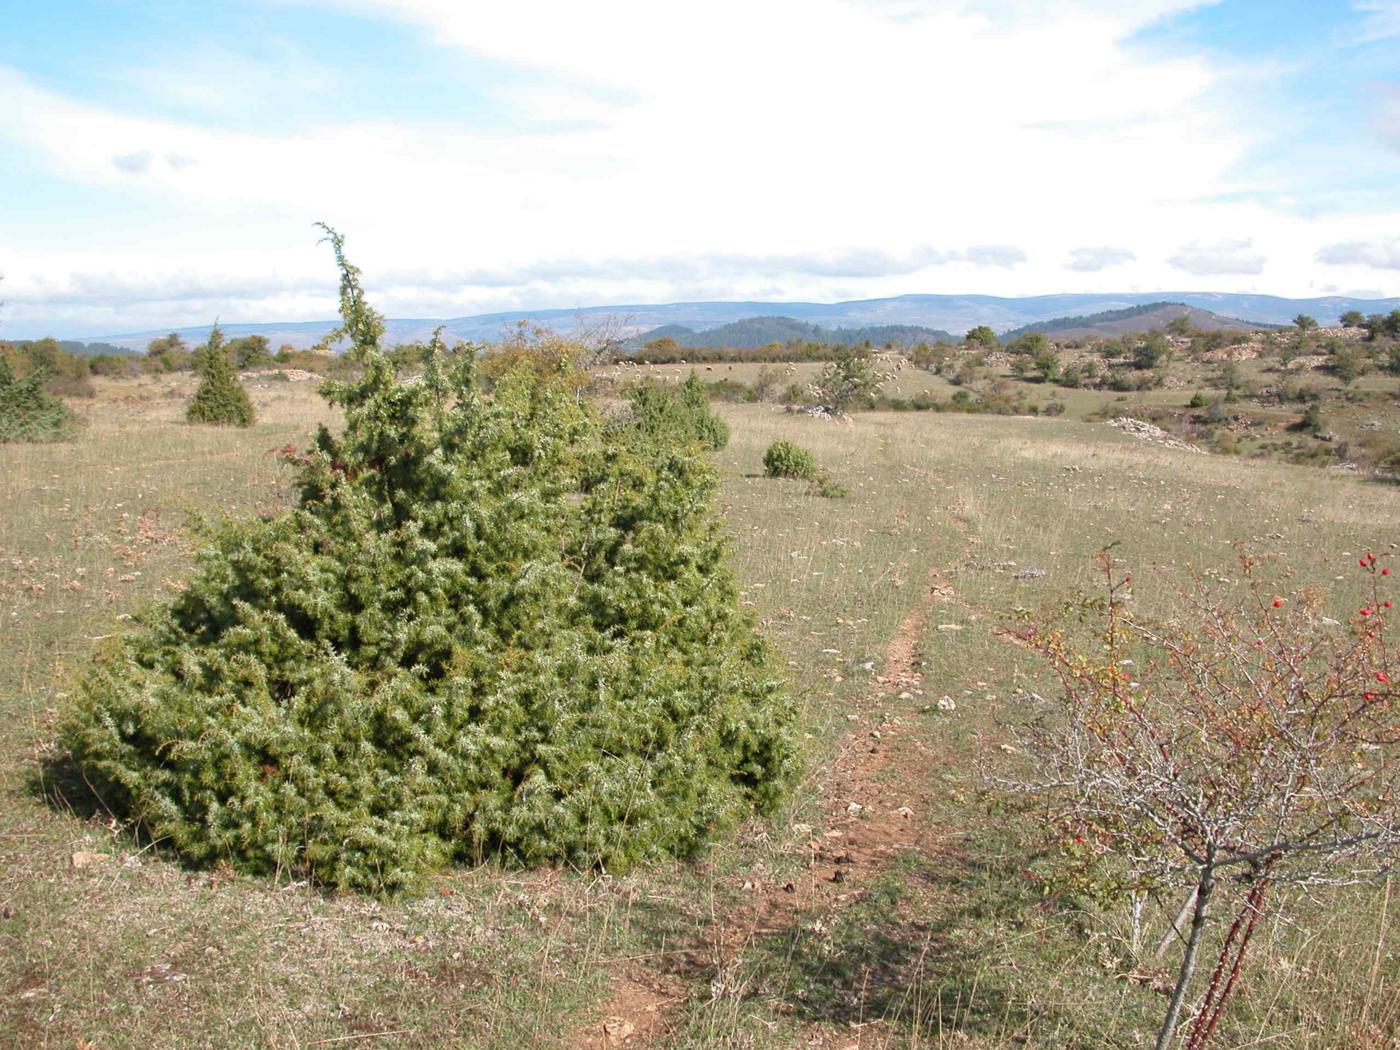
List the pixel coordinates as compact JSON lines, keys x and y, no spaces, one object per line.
{"x":855,"y":809}
{"x":950,"y":627}
{"x":292,"y":375}
{"x":1029,"y":574}
{"x":1145,"y":431}
{"x":819,"y":411}
{"x":904,"y":811}
{"x":161,"y":973}
{"x":947,"y":703}
{"x":618,"y":1029}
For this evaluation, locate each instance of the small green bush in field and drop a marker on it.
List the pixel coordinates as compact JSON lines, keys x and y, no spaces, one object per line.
{"x":28,"y":412}
{"x":786,"y":460}
{"x":491,"y":626}
{"x":220,"y":399}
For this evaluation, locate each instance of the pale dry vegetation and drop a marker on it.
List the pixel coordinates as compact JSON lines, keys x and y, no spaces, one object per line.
{"x":951,"y":521}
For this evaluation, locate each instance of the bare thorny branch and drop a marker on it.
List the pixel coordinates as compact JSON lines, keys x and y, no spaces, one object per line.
{"x":1250,"y":738}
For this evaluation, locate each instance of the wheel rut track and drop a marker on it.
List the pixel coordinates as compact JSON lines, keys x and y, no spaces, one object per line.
{"x":880,"y":767}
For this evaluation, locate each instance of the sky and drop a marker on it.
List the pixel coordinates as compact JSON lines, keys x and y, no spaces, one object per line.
{"x":164,"y":163}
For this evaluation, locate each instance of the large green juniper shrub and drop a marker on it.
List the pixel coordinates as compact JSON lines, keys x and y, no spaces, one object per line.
{"x":490,"y":626}
{"x":678,"y":415}
{"x":28,"y":412}
{"x":220,"y":399}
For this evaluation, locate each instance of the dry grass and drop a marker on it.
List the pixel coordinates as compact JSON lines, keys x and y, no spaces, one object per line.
{"x":952,"y":948}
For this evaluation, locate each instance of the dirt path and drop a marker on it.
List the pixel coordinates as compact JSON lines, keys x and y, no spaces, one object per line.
{"x":874,"y":794}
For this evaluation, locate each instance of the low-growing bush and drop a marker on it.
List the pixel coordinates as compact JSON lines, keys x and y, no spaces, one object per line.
{"x":786,"y":460}
{"x":71,"y":386}
{"x":28,"y":412}
{"x":490,"y":625}
{"x":119,"y":366}
{"x":681,"y":415}
{"x":827,"y":487}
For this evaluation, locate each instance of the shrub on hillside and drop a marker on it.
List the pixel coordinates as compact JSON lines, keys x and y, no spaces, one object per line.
{"x":115,"y":365}
{"x":28,"y":412}
{"x":679,"y":415}
{"x":489,"y":626}
{"x":850,"y":381}
{"x":786,"y":460}
{"x":220,"y":399}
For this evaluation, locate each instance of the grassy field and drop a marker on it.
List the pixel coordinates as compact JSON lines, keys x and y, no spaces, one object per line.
{"x":1360,"y":420}
{"x":879,"y":604}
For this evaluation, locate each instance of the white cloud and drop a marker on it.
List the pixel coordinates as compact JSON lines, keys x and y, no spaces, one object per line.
{"x":133,"y":163}
{"x":1382,"y":255}
{"x":813,"y":149}
{"x":1387,"y":117}
{"x":1382,"y":19}
{"x":1222,"y":257}
{"x":1003,"y":255}
{"x":1092,"y":260}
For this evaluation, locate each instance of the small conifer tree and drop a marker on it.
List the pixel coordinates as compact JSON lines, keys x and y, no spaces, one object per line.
{"x":220,"y":399}
{"x":490,"y":626}
{"x":28,"y":412}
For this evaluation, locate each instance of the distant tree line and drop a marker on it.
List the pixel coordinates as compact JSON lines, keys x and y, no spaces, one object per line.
{"x":68,"y":366}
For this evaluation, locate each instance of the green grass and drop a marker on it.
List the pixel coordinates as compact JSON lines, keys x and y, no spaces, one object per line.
{"x":956,"y":948}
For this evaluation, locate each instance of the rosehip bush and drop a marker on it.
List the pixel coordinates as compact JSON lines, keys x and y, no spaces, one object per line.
{"x":489,"y":626}
{"x":1249,"y":742}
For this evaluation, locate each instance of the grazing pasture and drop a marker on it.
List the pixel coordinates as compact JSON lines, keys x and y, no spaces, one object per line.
{"x":895,"y":902}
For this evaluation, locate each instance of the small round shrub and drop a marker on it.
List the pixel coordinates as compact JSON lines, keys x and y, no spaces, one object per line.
{"x":28,"y":412}
{"x":786,"y":460}
{"x":489,"y":627}
{"x":220,"y":399}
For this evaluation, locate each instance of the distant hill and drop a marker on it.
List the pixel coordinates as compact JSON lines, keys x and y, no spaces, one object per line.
{"x":948,"y":313}
{"x":1111,"y":324}
{"x":754,"y":332}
